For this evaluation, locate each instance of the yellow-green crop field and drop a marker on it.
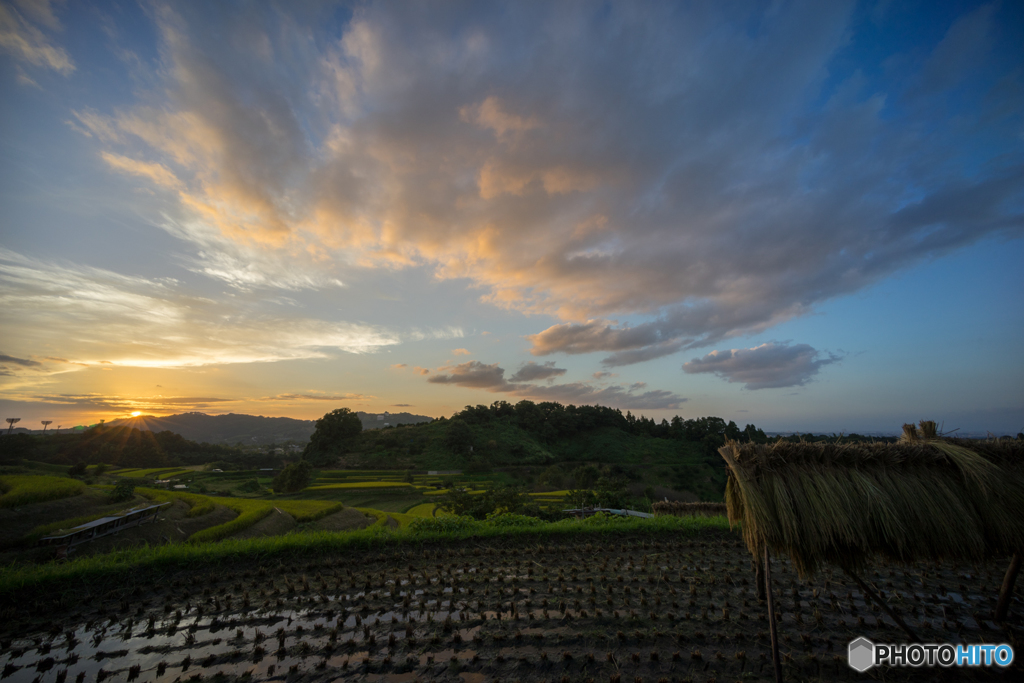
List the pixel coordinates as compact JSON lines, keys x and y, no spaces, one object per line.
{"x":198,"y":504}
{"x":25,"y":489}
{"x":252,"y":511}
{"x":422,"y":510}
{"x":441,"y":492}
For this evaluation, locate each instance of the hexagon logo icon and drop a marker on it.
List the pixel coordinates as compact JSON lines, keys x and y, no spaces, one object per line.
{"x":861,"y":654}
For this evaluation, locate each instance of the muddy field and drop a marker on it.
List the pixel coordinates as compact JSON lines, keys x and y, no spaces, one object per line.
{"x":616,"y":610}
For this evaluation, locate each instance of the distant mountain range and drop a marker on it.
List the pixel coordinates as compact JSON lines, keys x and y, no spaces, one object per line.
{"x":233,"y":428}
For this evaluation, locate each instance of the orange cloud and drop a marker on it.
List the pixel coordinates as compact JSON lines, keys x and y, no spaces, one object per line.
{"x":158,"y":173}
{"x":491,"y":114}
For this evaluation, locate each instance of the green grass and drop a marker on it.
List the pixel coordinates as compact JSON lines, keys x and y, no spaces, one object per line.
{"x":20,"y":581}
{"x":26,"y":489}
{"x":157,"y":472}
{"x":389,"y":500}
{"x":364,"y":485}
{"x":360,"y":473}
{"x":45,"y":468}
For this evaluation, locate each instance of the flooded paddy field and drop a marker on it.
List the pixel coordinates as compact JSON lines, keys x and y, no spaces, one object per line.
{"x":615,"y":609}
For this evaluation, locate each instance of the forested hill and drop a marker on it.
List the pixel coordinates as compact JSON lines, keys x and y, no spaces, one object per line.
{"x":232,"y":429}
{"x":225,"y":429}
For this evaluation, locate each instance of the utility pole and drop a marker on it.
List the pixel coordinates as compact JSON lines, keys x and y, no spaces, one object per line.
{"x":11,"y":421}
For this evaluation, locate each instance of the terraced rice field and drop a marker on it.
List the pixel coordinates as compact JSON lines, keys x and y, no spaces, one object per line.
{"x":20,"y":489}
{"x":675,"y":609}
{"x":422,"y":510}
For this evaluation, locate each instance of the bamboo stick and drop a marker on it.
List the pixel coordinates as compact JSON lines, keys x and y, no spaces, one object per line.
{"x":771,"y":617}
{"x":1006,"y":592}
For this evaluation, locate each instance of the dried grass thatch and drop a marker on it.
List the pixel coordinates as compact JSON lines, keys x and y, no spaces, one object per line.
{"x":681,"y":509}
{"x":924,"y":498}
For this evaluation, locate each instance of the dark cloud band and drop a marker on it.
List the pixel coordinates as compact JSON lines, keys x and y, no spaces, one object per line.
{"x":768,"y":366}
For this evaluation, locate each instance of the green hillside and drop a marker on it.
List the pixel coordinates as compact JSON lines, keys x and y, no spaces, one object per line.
{"x":547,"y":444}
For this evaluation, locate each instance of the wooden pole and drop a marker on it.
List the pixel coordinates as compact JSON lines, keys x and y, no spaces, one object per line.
{"x":877,"y":599}
{"x":759,"y":579}
{"x":1006,"y":593}
{"x":771,"y":616}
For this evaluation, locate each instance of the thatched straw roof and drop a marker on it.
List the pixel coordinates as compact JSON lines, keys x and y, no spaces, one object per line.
{"x":924,"y":498}
{"x":679,"y":509}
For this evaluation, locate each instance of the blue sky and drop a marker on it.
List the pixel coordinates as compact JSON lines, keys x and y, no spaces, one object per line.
{"x":806,"y":216}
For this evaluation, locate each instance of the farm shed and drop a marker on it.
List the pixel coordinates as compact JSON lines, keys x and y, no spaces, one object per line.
{"x":588,"y":512}
{"x":103,"y":526}
{"x":677,"y":508}
{"x":923,"y":498}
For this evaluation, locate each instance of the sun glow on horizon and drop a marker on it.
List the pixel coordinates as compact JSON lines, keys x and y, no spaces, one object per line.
{"x":136,"y":413}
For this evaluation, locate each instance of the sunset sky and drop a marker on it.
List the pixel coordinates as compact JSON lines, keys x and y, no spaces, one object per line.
{"x":806,"y":216}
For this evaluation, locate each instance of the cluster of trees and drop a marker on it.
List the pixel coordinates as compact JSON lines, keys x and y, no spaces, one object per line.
{"x":331,"y":437}
{"x":293,"y":478}
{"x":551,"y":421}
{"x":506,"y":499}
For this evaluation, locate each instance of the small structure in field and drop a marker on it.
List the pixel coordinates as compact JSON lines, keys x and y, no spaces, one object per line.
{"x":677,"y":508}
{"x":923,"y":498}
{"x":104,"y":526}
{"x":589,"y":512}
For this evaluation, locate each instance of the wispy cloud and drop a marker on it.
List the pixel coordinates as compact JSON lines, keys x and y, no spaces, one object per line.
{"x":20,"y":37}
{"x":319,"y":397}
{"x":116,"y":403}
{"x":157,"y":173}
{"x":105,"y":317}
{"x":25,"y":362}
{"x":768,"y":366}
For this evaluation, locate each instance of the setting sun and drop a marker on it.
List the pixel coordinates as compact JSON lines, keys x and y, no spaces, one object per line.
{"x":136,"y":413}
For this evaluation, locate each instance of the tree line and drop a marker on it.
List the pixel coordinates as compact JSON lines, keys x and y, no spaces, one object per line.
{"x":550,"y":421}
{"x":123,"y":446}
